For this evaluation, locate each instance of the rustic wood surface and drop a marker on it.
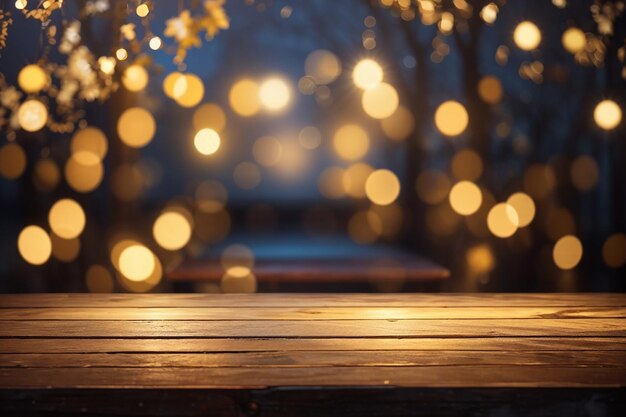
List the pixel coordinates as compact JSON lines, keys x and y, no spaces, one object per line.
{"x":247,"y":344}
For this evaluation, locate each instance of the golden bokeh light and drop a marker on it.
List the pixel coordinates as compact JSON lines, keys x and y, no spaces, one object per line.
{"x":399,"y":125}
{"x":207,"y":141}
{"x":567,"y":252}
{"x":136,"y":127}
{"x":84,"y":171}
{"x":480,"y":259}
{"x":169,"y":82}
{"x":211,"y":196}
{"x":503,"y":220}
{"x":607,"y":114}
{"x":99,"y":280}
{"x":247,"y":175}
{"x":574,"y":40}
{"x":238,"y":280}
{"x":34,"y":245}
{"x":527,"y":36}
{"x":90,"y":139}
{"x":274,"y":94}
{"x":354,"y":178}
{"x":467,"y":165}
{"x":244,"y":98}
{"x":209,"y":115}
{"x":367,"y":74}
{"x":524,"y":207}
{"x":66,"y":218}
{"x":142,"y":10}
{"x":12,"y":161}
{"x":188,"y":90}
{"x":614,"y":250}
{"x":46,"y":176}
{"x":381,"y":101}
{"x":32,"y":115}
{"x":121,"y":54}
{"x":323,"y":66}
{"x":32,"y":78}
{"x":135,"y":78}
{"x":465,"y":198}
{"x":65,"y":250}
{"x":155,"y":43}
{"x":136,"y":262}
{"x":171,"y":230}
{"x":382,"y":187}
{"x":351,"y":142}
{"x":584,"y":173}
{"x":451,"y":118}
{"x":310,"y":137}
{"x":267,"y":151}
{"x":490,"y":89}
{"x":432,"y":186}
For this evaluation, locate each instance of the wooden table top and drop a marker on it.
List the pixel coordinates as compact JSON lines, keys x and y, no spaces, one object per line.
{"x":159,"y":341}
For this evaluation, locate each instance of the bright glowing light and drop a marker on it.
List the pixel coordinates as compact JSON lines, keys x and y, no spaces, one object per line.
{"x":136,"y":262}
{"x":12,"y":161}
{"x":21,"y":4}
{"x":244,"y":98}
{"x":188,"y":90}
{"x":574,"y":40}
{"x":567,"y":252}
{"x":155,"y":43}
{"x":171,"y":230}
{"x":354,"y":179}
{"x":32,"y":115}
{"x":135,"y":78}
{"x":451,"y":118}
{"x":169,"y":82}
{"x":209,"y":115}
{"x":207,"y":141}
{"x":136,"y":127}
{"x":381,"y":101}
{"x":32,"y":78}
{"x":502,"y":220}
{"x":274,"y":94}
{"x":382,"y":187}
{"x":142,"y":10}
{"x":238,"y":280}
{"x":465,"y":198}
{"x":121,"y":54}
{"x":34,"y":245}
{"x":90,"y":139}
{"x":607,"y":114}
{"x":527,"y":36}
{"x":66,"y":218}
{"x":351,"y":142}
{"x":367,"y":74}
{"x":480,"y":259}
{"x":323,"y":66}
{"x":84,"y":171}
{"x":107,"y":64}
{"x":524,"y":207}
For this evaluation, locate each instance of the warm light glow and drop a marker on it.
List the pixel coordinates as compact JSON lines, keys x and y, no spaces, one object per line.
{"x":490,"y":89}
{"x":136,"y":262}
{"x":381,"y":101}
{"x":66,"y":218}
{"x":238,"y":280}
{"x":207,"y":141}
{"x":136,"y":127}
{"x":135,"y":78}
{"x":367,"y":74}
{"x":480,"y":259}
{"x":169,"y":82}
{"x":351,"y":142}
{"x":188,"y":90}
{"x":267,"y":151}
{"x":12,"y":161}
{"x":107,"y":64}
{"x":323,"y":66}
{"x":574,"y":40}
{"x":465,"y":198}
{"x":142,"y":10}
{"x":237,"y":256}
{"x":524,"y":207}
{"x":607,"y":114}
{"x":21,"y":4}
{"x":83,"y":171}
{"x":155,"y":43}
{"x":399,"y":125}
{"x":451,"y":118}
{"x":274,"y":94}
{"x":354,"y":178}
{"x":34,"y":245}
{"x":32,"y":115}
{"x":121,"y":54}
{"x":244,"y":98}
{"x":502,"y":220}
{"x":209,"y":115}
{"x":90,"y":139}
{"x":527,"y":36}
{"x":382,"y":187}
{"x":32,"y":78}
{"x":171,"y":230}
{"x":47,"y":174}
{"x":567,"y":252}
{"x":614,"y":250}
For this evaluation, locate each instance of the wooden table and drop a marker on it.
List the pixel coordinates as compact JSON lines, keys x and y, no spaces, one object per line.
{"x":311,"y":354}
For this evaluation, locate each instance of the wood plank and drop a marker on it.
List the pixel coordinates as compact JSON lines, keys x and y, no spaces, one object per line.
{"x":319,"y":313}
{"x":255,"y":378}
{"x":309,"y":329}
{"x":314,"y":300}
{"x":319,"y":358}
{"x":517,"y":344}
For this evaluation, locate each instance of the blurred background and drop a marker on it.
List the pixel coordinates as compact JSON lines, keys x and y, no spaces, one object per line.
{"x":203,"y":145}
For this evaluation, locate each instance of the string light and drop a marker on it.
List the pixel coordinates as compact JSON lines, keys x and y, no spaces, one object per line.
{"x":207,"y":141}
{"x":527,"y":36}
{"x":32,"y":78}
{"x":367,"y":74}
{"x":32,"y":115}
{"x":607,"y":114}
